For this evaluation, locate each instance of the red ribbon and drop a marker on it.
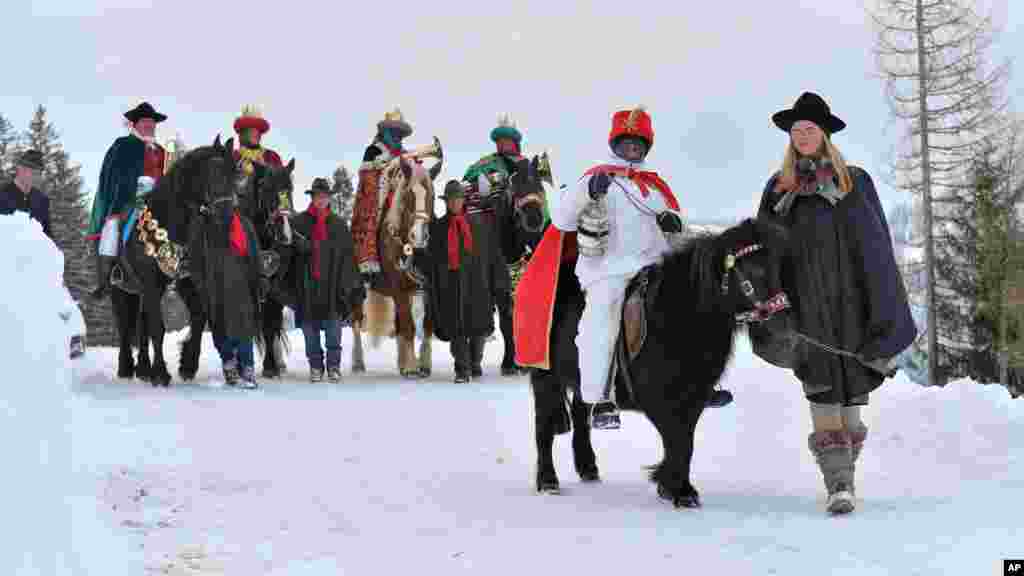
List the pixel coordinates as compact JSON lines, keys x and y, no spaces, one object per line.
{"x":643,"y":179}
{"x":239,"y":242}
{"x":319,"y":234}
{"x":457,"y":224}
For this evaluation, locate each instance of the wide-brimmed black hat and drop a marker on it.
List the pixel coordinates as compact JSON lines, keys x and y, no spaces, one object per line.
{"x":31,"y":159}
{"x":319,"y":185}
{"x":809,"y":106}
{"x":144,"y":110}
{"x":453,"y":189}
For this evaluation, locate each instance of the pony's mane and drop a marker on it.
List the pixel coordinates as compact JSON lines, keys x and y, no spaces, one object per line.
{"x":695,"y":269}
{"x":175,"y":195}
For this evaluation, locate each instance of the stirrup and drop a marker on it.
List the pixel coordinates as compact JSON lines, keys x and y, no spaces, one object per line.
{"x":604,"y":415}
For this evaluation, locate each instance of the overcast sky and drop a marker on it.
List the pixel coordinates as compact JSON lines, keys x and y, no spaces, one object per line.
{"x":710,"y":73}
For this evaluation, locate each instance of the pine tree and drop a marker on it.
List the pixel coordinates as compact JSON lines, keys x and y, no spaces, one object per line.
{"x":343,"y":195}
{"x":8,"y":137}
{"x":973,"y":260}
{"x":69,"y":218}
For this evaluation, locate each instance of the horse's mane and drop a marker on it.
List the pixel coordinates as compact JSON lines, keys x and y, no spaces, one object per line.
{"x":694,"y":271}
{"x":176,"y":194}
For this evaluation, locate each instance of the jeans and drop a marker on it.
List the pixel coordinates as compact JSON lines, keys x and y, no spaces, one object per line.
{"x":314,"y":352}
{"x":235,"y":349}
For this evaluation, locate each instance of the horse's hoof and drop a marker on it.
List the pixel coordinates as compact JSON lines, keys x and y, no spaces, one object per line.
{"x":186,"y":376}
{"x":413,"y":375}
{"x":687,"y":501}
{"x":358,"y":368}
{"x":271,"y":373}
{"x":424,"y":372}
{"x":549,"y":487}
{"x":590,"y":477}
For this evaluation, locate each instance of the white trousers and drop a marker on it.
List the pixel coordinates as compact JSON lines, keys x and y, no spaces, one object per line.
{"x":109,"y":237}
{"x":599,"y":327}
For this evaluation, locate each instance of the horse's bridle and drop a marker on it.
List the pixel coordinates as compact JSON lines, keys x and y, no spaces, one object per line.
{"x":760,"y":310}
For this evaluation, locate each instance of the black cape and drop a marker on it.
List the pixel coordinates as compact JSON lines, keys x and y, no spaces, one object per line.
{"x":462,"y":302}
{"x":228,"y":285}
{"x":331,"y":297}
{"x":845,"y":287}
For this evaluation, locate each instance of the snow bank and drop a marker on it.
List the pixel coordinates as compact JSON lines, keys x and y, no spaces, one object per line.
{"x":35,"y":434}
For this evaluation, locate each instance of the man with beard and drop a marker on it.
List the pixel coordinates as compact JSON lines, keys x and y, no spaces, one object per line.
{"x":488,"y":181}
{"x":128,"y":158}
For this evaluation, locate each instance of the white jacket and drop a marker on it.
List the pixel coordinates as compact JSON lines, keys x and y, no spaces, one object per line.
{"x":634,"y":239}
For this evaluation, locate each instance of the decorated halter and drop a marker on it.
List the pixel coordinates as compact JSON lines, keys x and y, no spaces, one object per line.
{"x":760,"y":310}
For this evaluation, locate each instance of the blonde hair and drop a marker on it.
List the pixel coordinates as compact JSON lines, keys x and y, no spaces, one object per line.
{"x":829,"y":150}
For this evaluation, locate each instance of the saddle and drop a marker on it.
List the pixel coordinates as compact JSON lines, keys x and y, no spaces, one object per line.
{"x":640,"y":294}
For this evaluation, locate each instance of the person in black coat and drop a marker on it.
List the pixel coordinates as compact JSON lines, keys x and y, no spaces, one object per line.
{"x":843,"y":283}
{"x":460,"y":292}
{"x":328,"y":284}
{"x":22,"y":194}
{"x":225,"y":268}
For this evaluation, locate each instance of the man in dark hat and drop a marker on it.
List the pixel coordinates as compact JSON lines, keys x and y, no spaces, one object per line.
{"x":460,"y":285}
{"x":22,"y":194}
{"x":128,"y":158}
{"x":328,"y":283}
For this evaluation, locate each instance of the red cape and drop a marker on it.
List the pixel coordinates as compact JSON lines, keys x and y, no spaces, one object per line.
{"x":533,"y":313}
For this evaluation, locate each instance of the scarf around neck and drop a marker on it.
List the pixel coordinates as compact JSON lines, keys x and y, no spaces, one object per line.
{"x":458,"y":225}
{"x":319,"y":233}
{"x":821,"y":182}
{"x":644,"y":179}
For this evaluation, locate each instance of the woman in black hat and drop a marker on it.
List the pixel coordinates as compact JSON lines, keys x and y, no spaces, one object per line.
{"x":846,"y":290}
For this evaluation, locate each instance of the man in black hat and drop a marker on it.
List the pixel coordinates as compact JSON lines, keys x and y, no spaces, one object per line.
{"x":460,"y":293}
{"x":130,"y":157}
{"x":22,"y":194}
{"x":328,"y":282}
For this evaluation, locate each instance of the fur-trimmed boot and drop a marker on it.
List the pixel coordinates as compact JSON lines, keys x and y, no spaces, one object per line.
{"x":857,"y":437}
{"x":833,"y":451}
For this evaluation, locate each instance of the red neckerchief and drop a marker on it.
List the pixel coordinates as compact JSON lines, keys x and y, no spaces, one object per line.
{"x":457,"y":224}
{"x":394,"y":151}
{"x":319,"y":234}
{"x":239,"y":242}
{"x":642,"y":178}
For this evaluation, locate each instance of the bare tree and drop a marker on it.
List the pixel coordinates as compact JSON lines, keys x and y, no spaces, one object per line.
{"x":931,"y":55}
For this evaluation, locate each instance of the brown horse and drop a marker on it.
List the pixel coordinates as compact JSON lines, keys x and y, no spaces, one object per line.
{"x":407,"y":191}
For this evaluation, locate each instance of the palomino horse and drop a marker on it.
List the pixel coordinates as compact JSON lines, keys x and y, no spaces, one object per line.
{"x":395,"y":306}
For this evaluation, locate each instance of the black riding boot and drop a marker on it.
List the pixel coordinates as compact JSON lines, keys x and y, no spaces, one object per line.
{"x":104,"y":264}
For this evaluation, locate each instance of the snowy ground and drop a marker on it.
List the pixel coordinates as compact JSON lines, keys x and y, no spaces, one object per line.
{"x":383,"y":476}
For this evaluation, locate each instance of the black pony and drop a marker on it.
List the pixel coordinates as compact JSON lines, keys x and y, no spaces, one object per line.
{"x":520,"y":227}
{"x":203,"y":174}
{"x":258,"y":200}
{"x":693,"y":301}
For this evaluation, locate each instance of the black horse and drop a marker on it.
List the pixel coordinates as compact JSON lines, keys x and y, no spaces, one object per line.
{"x":204,"y":173}
{"x":520,"y":227}
{"x":258,"y":200}
{"x":694,"y":300}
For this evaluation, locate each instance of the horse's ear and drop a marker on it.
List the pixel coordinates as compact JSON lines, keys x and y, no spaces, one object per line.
{"x":216,"y":142}
{"x":291,"y":166}
{"x":229,"y":147}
